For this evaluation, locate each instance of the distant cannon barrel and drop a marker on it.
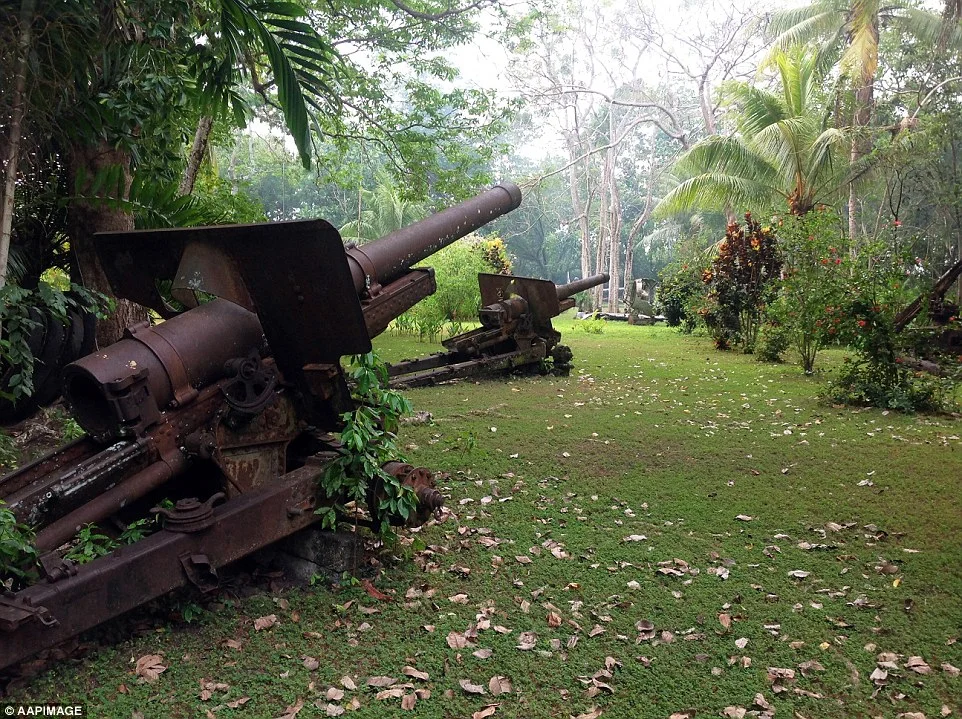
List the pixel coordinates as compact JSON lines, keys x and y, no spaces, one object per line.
{"x":384,"y":260}
{"x":573,"y":288}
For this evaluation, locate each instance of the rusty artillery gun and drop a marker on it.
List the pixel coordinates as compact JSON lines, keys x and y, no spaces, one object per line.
{"x":227,"y":408}
{"x":515,"y":332}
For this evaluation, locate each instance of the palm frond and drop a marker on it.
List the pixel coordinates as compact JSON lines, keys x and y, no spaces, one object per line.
{"x":714,"y":190}
{"x":729,"y":155}
{"x":757,"y":108}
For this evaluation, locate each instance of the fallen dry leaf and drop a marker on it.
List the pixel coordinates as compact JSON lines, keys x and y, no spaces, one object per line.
{"x":415,"y":673}
{"x":499,"y":685}
{"x":265,"y":622}
{"x":374,"y":592}
{"x":293,"y":710}
{"x":456,"y":640}
{"x":393,"y":693}
{"x":734,"y":712}
{"x":486,"y":712}
{"x":311,"y":664}
{"x":381,"y":681}
{"x":469,"y":687}
{"x":150,"y":667}
{"x":741,"y":642}
{"x":483,"y":653}
{"x":725,"y":620}
{"x":235,"y":703}
{"x":527,"y":640}
{"x":593,"y":713}
{"x":554,"y":619}
{"x":408,"y":701}
{"x":334,"y":694}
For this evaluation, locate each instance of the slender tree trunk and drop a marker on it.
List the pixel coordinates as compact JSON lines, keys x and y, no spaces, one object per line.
{"x":640,"y":222}
{"x":579,"y":206}
{"x":86,"y":218}
{"x":197,"y":151}
{"x":12,"y":154}
{"x":861,"y":145}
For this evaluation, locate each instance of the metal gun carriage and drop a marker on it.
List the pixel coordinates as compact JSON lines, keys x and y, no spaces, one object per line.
{"x":228,"y":408}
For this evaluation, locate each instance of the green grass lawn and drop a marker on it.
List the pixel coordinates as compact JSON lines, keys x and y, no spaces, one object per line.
{"x":650,"y":536}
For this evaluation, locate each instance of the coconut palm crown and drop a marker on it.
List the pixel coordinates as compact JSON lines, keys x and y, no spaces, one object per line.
{"x":782,"y":151}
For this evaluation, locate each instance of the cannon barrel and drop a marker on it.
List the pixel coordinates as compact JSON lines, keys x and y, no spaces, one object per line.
{"x":573,"y":288}
{"x":384,"y":260}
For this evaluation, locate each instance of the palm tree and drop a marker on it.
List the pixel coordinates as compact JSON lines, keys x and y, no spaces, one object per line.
{"x":381,"y":211}
{"x":783,"y":149}
{"x":846,"y":32}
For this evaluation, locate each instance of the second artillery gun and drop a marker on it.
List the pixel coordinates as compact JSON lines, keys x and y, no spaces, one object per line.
{"x":515,"y":332}
{"x":227,"y":410}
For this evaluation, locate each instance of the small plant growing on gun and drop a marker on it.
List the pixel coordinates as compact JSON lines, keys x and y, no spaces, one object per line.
{"x":368,"y":442}
{"x":18,"y":556}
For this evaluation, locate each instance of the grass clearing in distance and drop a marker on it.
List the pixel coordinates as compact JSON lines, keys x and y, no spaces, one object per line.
{"x":596,"y":524}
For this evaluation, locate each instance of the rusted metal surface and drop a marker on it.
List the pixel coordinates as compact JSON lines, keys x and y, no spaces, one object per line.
{"x":541,"y":296}
{"x":397,"y":298}
{"x":254,"y":453}
{"x":48,"y":465}
{"x":120,"y":390}
{"x":137,"y":573}
{"x":108,"y":503}
{"x":381,"y":262}
{"x":55,"y":495}
{"x":421,"y":480}
{"x":573,"y":288}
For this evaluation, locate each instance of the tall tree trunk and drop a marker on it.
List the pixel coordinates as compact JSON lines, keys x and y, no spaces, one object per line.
{"x":197,"y":151}
{"x":12,"y":155}
{"x":640,"y":221}
{"x":84,"y":218}
{"x":579,"y":206}
{"x":861,"y":145}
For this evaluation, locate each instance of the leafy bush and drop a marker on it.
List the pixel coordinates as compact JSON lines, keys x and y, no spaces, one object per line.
{"x":816,"y":275}
{"x":680,"y":287}
{"x":458,"y":297}
{"x":890,"y":385}
{"x":774,"y":338}
{"x":592,"y":324}
{"x":878,"y":375}
{"x":740,"y":282}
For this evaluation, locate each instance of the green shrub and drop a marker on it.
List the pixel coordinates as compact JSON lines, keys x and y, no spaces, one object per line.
{"x":680,"y":287}
{"x":592,"y":324}
{"x":458,"y":296}
{"x":817,"y":275}
{"x":774,"y":339}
